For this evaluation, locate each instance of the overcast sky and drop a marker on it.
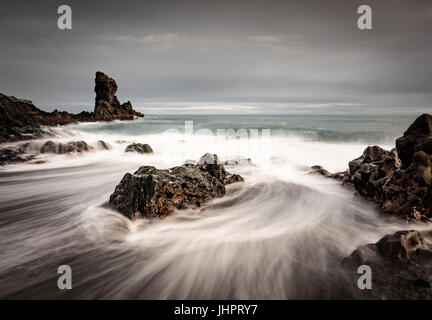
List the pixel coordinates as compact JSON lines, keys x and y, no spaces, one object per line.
{"x":220,"y":56}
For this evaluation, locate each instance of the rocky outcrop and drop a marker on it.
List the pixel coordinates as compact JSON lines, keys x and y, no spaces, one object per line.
{"x":29,"y":151}
{"x":154,"y":193}
{"x":21,"y":119}
{"x":399,"y":181}
{"x":319,"y":170}
{"x":408,"y":192}
{"x":139,"y":148}
{"x":371,"y":171}
{"x":17,"y":121}
{"x":10,"y":156}
{"x":64,"y":148}
{"x":401,"y":266}
{"x":107,"y":106}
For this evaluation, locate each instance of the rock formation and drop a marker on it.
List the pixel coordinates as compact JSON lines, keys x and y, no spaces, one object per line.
{"x":21,"y":120}
{"x":16,"y":120}
{"x":152,"y":193}
{"x":399,"y":181}
{"x":139,"y":148}
{"x":107,"y":106}
{"x":401,"y":267}
{"x":31,"y":150}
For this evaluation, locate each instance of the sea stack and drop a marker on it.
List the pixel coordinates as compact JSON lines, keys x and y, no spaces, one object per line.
{"x":107,"y":106}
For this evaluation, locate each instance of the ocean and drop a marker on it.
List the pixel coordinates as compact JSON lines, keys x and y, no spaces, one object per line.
{"x":279,"y":235}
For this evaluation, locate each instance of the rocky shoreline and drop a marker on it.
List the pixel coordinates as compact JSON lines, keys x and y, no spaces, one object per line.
{"x":22,"y":120}
{"x":399,"y":182}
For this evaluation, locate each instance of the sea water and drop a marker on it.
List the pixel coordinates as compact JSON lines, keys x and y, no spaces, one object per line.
{"x":281,"y":234}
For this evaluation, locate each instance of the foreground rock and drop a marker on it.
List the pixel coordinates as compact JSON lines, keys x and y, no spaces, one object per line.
{"x":399,"y":181}
{"x":152,"y":193}
{"x":139,"y":148}
{"x":401,"y":267}
{"x":21,"y":119}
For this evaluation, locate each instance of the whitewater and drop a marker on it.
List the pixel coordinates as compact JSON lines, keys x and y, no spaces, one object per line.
{"x":279,"y":235}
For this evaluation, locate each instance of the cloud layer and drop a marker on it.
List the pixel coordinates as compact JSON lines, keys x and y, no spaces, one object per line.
{"x":222,"y":56}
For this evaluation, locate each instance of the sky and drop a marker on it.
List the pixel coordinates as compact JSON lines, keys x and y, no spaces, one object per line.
{"x":225,"y":56}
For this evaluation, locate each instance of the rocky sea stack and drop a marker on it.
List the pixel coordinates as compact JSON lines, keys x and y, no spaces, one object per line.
{"x":154,"y":193}
{"x":21,"y":119}
{"x":107,"y":106}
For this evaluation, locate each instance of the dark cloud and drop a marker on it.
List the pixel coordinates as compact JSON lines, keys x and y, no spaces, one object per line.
{"x":237,"y":55}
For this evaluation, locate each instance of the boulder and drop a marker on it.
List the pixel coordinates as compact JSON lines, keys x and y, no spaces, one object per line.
{"x":399,"y":181}
{"x":408,"y":192}
{"x":319,"y":170}
{"x":63,"y":148}
{"x":154,"y":193}
{"x":401,"y":266}
{"x":139,"y":148}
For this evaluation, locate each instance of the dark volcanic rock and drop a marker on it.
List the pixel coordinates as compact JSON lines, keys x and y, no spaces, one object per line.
{"x":401,"y":267}
{"x":9,"y":156}
{"x":399,"y":181}
{"x":323,"y":172}
{"x":17,"y":121}
{"x":62,"y":148}
{"x":107,"y":106}
{"x":21,"y":120}
{"x":139,"y":148}
{"x":370,"y":171}
{"x":408,"y":192}
{"x":151,"y":193}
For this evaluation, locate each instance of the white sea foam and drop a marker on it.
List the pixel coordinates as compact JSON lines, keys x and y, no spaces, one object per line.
{"x":280,"y":234}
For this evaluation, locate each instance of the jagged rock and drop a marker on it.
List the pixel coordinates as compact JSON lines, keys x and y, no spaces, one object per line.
{"x":417,"y":138}
{"x":21,"y":120}
{"x":8,"y":156}
{"x":408,"y":192}
{"x":370,"y":171}
{"x":60,"y":148}
{"x":401,"y":266}
{"x":103,"y":145}
{"x":323,"y":172}
{"x":17,"y":121}
{"x":107,"y":106}
{"x":399,"y":181}
{"x":139,"y":148}
{"x":211,"y":163}
{"x":152,"y":193}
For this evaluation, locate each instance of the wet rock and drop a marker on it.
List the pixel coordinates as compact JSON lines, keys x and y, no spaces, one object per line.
{"x":323,"y":172}
{"x":400,"y":245}
{"x":60,"y":148}
{"x":103,"y":145}
{"x":401,"y":267}
{"x":13,"y":155}
{"x":8,"y":155}
{"x":151,"y":192}
{"x":139,"y":148}
{"x":408,"y":192}
{"x":399,"y":181}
